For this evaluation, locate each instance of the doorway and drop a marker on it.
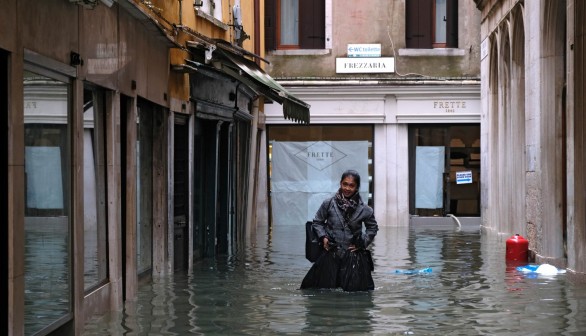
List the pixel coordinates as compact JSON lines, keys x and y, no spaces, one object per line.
{"x":180,"y":192}
{"x":4,"y":195}
{"x":205,"y":187}
{"x":444,"y":163}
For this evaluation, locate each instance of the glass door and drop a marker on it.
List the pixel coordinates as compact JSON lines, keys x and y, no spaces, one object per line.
{"x":445,"y":170}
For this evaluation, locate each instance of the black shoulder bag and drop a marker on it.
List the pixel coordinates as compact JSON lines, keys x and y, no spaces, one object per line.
{"x":313,"y":248}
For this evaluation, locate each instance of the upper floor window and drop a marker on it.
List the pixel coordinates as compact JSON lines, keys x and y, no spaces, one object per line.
{"x":212,"y":8}
{"x":431,"y":24}
{"x":295,"y":24}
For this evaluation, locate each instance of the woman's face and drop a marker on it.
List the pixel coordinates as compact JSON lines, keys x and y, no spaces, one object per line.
{"x":348,"y":186}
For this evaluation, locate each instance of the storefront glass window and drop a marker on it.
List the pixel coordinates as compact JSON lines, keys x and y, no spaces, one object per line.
{"x":445,"y":170}
{"x":47,"y":206}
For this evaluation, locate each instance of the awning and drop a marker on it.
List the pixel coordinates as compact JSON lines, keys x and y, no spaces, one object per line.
{"x":293,"y":107}
{"x":249,"y":73}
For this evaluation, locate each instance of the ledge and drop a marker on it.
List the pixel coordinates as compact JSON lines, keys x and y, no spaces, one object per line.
{"x":212,"y":19}
{"x":273,"y":117}
{"x":432,"y":52}
{"x":300,"y":52}
{"x":433,"y":118}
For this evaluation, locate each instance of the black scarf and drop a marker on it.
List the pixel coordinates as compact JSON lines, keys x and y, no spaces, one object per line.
{"x":347,"y":205}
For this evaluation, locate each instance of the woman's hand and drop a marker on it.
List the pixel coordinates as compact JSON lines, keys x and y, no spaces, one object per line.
{"x":352,"y":248}
{"x":326,"y":243}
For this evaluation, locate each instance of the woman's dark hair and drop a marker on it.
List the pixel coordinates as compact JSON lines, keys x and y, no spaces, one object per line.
{"x":354,"y":174}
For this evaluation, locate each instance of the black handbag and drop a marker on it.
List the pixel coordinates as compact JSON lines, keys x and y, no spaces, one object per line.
{"x":312,"y":247}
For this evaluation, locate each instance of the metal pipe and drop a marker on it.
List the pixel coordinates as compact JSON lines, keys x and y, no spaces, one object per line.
{"x":181,"y":12}
{"x":456,"y":219}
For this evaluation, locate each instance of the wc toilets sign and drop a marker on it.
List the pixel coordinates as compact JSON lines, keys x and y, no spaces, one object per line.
{"x":364,"y":50}
{"x":365,"y":58}
{"x":464,"y":177}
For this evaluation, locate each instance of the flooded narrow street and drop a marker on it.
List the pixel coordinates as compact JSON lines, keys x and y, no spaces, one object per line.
{"x":469,"y":291}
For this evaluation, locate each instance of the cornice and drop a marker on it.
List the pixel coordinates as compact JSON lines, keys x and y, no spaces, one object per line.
{"x":368,"y":92}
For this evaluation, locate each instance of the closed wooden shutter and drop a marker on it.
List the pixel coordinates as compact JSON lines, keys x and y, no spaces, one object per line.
{"x":270,"y":25}
{"x":312,"y":22}
{"x":452,"y":24}
{"x":419,"y":23}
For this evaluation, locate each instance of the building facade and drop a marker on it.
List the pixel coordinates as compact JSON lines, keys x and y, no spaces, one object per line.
{"x":532,"y":120}
{"x":401,"y":77}
{"x":130,"y":146}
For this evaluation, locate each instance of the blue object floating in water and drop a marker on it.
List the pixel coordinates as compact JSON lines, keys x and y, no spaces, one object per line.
{"x":414,"y":271}
{"x":527,"y":268}
{"x":544,"y":269}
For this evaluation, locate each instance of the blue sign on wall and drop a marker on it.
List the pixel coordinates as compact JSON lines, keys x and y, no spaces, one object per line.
{"x":464,"y":177}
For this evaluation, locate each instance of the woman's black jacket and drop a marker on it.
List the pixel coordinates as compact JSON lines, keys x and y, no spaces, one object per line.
{"x":329,"y":221}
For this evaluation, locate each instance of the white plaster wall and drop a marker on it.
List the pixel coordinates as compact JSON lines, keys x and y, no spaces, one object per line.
{"x":532,"y":114}
{"x":391,"y":173}
{"x":485,"y":181}
{"x":544,"y":177}
{"x":542,"y":183}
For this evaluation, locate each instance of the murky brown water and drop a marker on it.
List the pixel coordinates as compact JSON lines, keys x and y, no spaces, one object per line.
{"x":469,"y":291}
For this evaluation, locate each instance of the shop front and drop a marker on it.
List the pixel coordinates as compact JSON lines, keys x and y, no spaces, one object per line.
{"x":443,"y":130}
{"x":421,"y":158}
{"x":227,"y":87}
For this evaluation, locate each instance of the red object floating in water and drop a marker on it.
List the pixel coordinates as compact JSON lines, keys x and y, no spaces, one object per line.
{"x":517,"y":248}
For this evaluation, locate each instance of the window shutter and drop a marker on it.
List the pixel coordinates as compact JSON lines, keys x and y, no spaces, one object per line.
{"x":452,"y":24}
{"x":270,"y":25}
{"x":312,"y":23}
{"x":418,"y":28}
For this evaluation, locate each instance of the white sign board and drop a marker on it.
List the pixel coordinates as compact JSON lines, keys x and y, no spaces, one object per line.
{"x":484,"y":49}
{"x":364,"y":50}
{"x":440,"y":109}
{"x":464,"y":177}
{"x":365,"y":65}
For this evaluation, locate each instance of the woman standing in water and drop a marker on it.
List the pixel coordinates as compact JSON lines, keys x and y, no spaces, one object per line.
{"x":338,"y":223}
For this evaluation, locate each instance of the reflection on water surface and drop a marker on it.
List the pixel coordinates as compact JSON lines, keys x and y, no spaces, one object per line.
{"x":470,"y":291}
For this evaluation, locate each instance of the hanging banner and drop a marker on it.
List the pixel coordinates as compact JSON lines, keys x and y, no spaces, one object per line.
{"x":305,"y":173}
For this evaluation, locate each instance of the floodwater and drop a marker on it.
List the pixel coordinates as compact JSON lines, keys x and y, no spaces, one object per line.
{"x":469,"y":291}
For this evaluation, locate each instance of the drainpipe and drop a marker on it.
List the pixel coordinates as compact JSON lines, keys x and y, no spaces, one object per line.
{"x":257,"y":30}
{"x":180,"y":13}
